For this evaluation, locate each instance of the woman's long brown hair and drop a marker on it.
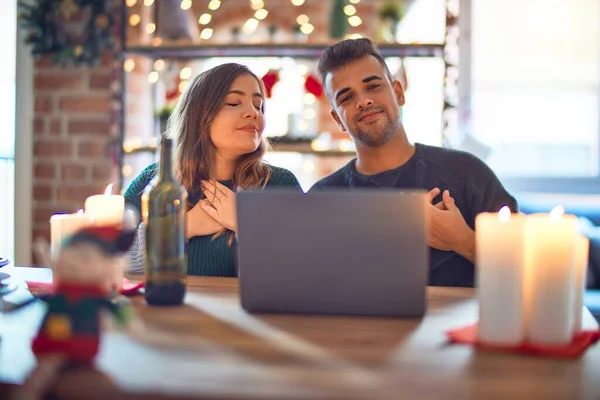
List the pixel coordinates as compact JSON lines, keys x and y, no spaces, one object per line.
{"x":189,"y":126}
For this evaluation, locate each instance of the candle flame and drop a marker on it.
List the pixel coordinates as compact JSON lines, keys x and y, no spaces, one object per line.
{"x":80,"y":212}
{"x":556,"y":213}
{"x":504,"y":214}
{"x":108,"y":190}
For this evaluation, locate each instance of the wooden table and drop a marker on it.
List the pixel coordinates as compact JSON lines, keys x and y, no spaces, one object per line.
{"x":211,"y":348}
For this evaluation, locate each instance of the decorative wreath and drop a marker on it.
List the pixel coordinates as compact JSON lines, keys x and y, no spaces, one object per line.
{"x":71,"y":31}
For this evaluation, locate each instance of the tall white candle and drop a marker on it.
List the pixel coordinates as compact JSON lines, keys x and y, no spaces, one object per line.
{"x":550,"y":246}
{"x":64,"y":225}
{"x":500,"y":263}
{"x":582,"y":250}
{"x":107,"y":208}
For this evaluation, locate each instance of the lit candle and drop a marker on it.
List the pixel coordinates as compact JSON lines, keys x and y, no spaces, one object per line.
{"x":64,"y":225}
{"x":107,"y":208}
{"x":550,"y":246}
{"x":500,"y":264}
{"x":582,"y":250}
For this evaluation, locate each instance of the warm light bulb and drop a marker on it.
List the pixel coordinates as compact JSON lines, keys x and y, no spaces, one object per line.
{"x":250,"y":25}
{"x":298,"y":3}
{"x":206,"y":33}
{"x":131,"y":3}
{"x":354,"y":1}
{"x":302,"y":19}
{"x":354,"y":20}
{"x":504,"y":214}
{"x":185,"y":4}
{"x":148,"y":2}
{"x":308,"y":98}
{"x":182,"y":86}
{"x":150,"y":28}
{"x":355,"y":36}
{"x":257,"y":5}
{"x":556,"y":213}
{"x":214,"y":5}
{"x":159,"y":65}
{"x":153,"y":77}
{"x":134,"y":19}
{"x":129,"y":65}
{"x":307,"y":28}
{"x":349,"y":10}
{"x":204,"y":19}
{"x":261,"y":14}
{"x":185,"y":73}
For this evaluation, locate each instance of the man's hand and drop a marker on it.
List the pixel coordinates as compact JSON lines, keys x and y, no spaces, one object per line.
{"x":220,"y":204}
{"x":199,"y":223}
{"x":447,"y":228}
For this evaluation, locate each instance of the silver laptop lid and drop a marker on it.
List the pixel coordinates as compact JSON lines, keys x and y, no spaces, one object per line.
{"x":334,"y":252}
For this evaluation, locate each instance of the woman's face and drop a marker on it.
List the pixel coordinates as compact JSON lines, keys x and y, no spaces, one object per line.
{"x":237,"y":129}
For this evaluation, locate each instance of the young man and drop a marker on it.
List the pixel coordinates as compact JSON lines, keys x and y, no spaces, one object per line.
{"x":366,"y":102}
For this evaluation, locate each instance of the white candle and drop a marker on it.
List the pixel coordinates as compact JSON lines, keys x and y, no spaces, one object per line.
{"x":107,"y":208}
{"x":500,"y":263}
{"x":550,"y":246}
{"x":582,"y":250}
{"x":64,"y":225}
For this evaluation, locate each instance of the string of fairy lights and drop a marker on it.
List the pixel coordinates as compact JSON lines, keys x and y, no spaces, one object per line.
{"x":250,"y":26}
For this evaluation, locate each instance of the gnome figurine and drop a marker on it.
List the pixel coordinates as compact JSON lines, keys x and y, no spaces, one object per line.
{"x":82,"y":284}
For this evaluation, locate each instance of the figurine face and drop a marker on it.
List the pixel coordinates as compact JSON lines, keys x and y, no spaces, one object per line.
{"x":85,"y":264}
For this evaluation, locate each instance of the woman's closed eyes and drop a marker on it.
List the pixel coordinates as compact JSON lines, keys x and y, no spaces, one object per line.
{"x":258,"y":107}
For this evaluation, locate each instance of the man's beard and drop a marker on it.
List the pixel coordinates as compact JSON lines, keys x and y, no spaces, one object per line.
{"x":377,"y":138}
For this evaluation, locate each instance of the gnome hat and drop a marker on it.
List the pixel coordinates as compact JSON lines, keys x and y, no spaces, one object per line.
{"x":112,"y":239}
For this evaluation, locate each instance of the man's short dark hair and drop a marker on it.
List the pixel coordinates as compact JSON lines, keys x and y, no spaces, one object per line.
{"x":345,"y":52}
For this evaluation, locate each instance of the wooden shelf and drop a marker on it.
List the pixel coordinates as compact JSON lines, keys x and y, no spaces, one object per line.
{"x":296,"y":50}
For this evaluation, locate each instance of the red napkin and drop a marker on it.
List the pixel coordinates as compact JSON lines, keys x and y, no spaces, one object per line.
{"x":127,"y":289}
{"x":580,"y":343}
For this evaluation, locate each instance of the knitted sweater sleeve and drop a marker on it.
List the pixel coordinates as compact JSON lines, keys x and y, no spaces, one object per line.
{"x":474,"y":185}
{"x":486,"y":192}
{"x":282,"y":178}
{"x":133,"y":196}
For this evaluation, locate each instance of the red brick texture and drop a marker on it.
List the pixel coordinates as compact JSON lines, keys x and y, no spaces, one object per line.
{"x":73,"y":127}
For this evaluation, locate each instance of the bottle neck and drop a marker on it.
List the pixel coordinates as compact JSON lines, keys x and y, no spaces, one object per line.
{"x":165,"y":171}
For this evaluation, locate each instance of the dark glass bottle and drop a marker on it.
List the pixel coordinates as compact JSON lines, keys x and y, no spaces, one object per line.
{"x":166,"y":260}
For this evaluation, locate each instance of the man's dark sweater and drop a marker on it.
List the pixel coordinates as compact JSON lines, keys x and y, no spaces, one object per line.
{"x":473,"y":185}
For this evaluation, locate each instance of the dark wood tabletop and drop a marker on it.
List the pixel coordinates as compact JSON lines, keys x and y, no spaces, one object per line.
{"x":212,"y":348}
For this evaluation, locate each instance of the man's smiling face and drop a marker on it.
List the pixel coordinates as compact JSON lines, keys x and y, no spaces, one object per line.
{"x":365,"y":103}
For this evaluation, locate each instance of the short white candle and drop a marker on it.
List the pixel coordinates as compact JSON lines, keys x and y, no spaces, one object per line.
{"x":582,"y":250}
{"x":500,"y":264}
{"x":64,"y":225}
{"x":107,"y":208}
{"x":550,"y":246}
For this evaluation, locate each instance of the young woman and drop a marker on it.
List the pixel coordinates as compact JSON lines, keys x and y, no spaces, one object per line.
{"x":217,"y":127}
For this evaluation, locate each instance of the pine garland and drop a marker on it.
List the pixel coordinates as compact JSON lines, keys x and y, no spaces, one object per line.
{"x":71,"y":31}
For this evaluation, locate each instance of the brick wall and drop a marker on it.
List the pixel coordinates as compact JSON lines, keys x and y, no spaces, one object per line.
{"x":75,"y":135}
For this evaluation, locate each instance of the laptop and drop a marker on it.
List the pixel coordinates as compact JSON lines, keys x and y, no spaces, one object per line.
{"x":352,"y":252}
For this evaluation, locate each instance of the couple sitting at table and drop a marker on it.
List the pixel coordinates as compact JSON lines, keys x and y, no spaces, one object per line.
{"x":218,"y":124}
